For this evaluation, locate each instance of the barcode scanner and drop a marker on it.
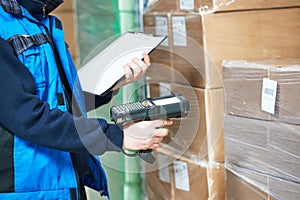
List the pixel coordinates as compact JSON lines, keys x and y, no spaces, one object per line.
{"x":170,"y":106}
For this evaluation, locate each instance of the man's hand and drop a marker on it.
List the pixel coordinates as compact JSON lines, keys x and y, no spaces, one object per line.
{"x":145,"y":134}
{"x":134,"y":70}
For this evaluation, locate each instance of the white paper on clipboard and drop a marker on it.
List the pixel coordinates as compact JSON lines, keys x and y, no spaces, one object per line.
{"x":106,"y":68}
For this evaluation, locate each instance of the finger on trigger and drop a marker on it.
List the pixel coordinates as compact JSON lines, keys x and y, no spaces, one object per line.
{"x":158,"y":123}
{"x":168,"y":122}
{"x":161,"y":132}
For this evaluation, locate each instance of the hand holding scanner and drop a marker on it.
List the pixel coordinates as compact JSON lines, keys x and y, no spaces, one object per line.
{"x":170,"y":106}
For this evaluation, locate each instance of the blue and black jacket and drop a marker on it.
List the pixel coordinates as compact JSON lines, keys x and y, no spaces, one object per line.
{"x":46,"y":141}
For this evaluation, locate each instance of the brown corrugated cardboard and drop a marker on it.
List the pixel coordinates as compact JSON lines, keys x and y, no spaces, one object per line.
{"x":246,"y":143}
{"x":283,"y":145}
{"x":268,"y":147}
{"x":188,"y":55}
{"x":215,"y":124}
{"x":189,"y":134}
{"x":239,"y":189}
{"x":159,"y":180}
{"x":216,"y":182}
{"x":173,"y":179}
{"x":230,"y":5}
{"x":200,"y":133}
{"x":66,"y":6}
{"x":218,"y":5}
{"x":251,"y":35}
{"x":288,"y":80}
{"x":160,"y":69}
{"x":242,"y":100}
{"x":163,"y":5}
{"x":190,"y":181}
{"x":283,"y":189}
{"x":178,"y":5}
{"x":182,"y":178}
{"x":243,"y":183}
{"x":242,"y":82}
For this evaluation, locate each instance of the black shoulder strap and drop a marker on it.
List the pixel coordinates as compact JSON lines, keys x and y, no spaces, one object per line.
{"x":21,"y":43}
{"x":11,"y":6}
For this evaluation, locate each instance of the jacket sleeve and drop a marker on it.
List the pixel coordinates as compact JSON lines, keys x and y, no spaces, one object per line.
{"x":93,"y":101}
{"x":26,"y":116}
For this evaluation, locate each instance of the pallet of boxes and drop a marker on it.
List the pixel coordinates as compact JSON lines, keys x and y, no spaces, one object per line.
{"x":262,"y":127}
{"x":201,"y":34}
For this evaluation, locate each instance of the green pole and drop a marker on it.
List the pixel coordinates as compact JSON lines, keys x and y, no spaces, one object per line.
{"x":133,"y":182}
{"x":98,"y":20}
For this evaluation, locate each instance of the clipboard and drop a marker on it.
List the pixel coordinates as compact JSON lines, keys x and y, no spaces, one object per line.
{"x":105,"y":69}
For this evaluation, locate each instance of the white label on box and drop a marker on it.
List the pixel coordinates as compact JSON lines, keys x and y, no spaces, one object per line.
{"x":164,"y":89}
{"x":181,"y":175}
{"x":179,"y":31}
{"x":161,"y":28}
{"x":186,"y":4}
{"x":164,"y":173}
{"x":268,"y":98}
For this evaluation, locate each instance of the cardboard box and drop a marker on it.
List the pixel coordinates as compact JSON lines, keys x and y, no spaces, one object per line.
{"x":177,"y":5}
{"x":237,"y":188}
{"x":229,"y":5}
{"x":190,"y":181}
{"x":250,"y":35}
{"x":218,"y":5}
{"x":268,"y":147}
{"x":246,"y":143}
{"x":283,"y":189}
{"x":179,"y":180}
{"x":216,"y":182}
{"x":160,"y":69}
{"x":158,"y":178}
{"x":188,"y":56}
{"x":283,"y":142}
{"x":242,"y":100}
{"x":188,"y":135}
{"x":242,"y":183}
{"x":66,"y":6}
{"x":242,"y":83}
{"x":288,"y":89}
{"x":201,"y":132}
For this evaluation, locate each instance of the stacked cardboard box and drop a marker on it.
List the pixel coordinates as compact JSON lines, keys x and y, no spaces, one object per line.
{"x":218,"y":5}
{"x":262,"y":124}
{"x":242,"y":189}
{"x":190,"y":62}
{"x":67,"y":14}
{"x":182,"y":179}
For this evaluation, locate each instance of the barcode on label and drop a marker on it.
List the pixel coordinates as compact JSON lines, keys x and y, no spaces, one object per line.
{"x":268,"y":98}
{"x":269,"y":91}
{"x":186,"y":4}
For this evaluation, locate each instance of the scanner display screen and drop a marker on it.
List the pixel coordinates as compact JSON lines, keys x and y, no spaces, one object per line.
{"x":166,"y":101}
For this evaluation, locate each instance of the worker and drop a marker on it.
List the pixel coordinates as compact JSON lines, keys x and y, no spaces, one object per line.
{"x":48,"y":147}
